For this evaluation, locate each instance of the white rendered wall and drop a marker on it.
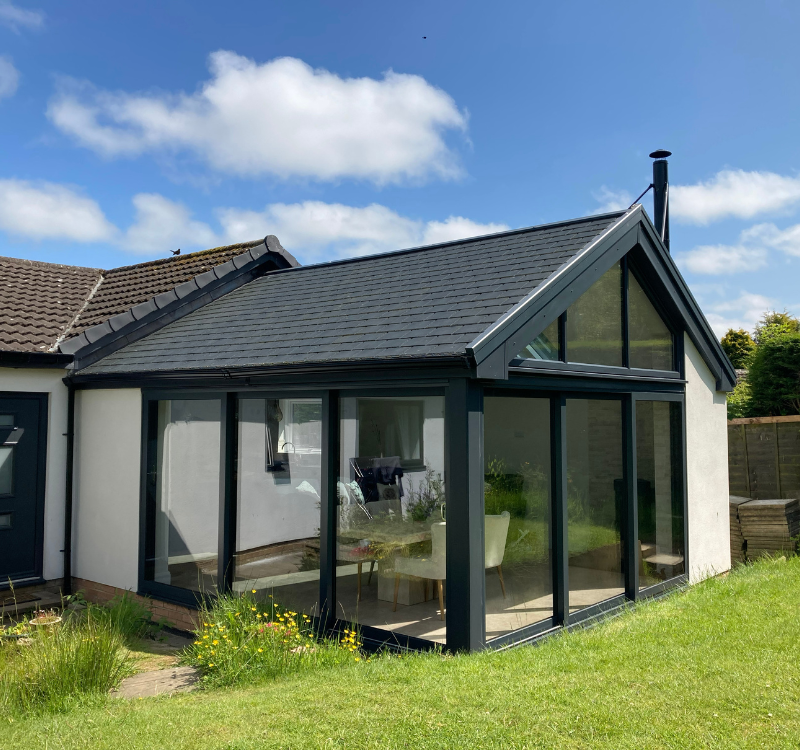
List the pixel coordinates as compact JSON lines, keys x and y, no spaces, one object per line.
{"x":108,"y":437}
{"x":48,"y":380}
{"x":706,"y":469}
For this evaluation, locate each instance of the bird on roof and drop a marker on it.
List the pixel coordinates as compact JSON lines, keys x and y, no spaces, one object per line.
{"x":176,"y":252}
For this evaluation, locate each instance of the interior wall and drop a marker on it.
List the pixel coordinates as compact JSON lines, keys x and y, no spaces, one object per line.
{"x":49,"y":381}
{"x":706,"y":469}
{"x":106,"y":486}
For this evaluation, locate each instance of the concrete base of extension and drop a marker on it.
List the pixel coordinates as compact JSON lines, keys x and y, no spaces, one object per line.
{"x":160,"y":682}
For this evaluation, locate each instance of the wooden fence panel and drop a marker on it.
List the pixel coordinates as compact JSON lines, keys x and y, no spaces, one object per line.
{"x":764,"y":457}
{"x":789,"y":452}
{"x":738,"y":479}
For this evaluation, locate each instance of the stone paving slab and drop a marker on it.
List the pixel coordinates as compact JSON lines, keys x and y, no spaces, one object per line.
{"x":148,"y":684}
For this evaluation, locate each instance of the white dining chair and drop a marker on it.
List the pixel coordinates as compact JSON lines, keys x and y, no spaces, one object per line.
{"x":434,"y":566}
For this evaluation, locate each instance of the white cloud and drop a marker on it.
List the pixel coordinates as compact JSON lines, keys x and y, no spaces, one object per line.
{"x":162,"y":224}
{"x":318,"y":230}
{"x":611,"y":200}
{"x":786,"y":240}
{"x":44,"y":210}
{"x":733,"y":193}
{"x":743,"y":312}
{"x":9,"y":77}
{"x":719,"y":259}
{"x":457,"y":228}
{"x":281,"y":117}
{"x":16,"y":18}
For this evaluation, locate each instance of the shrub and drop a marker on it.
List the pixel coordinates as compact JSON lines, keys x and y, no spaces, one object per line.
{"x":738,"y":345}
{"x":244,"y":639}
{"x":52,"y":669}
{"x":774,"y":376}
{"x":739,"y":400}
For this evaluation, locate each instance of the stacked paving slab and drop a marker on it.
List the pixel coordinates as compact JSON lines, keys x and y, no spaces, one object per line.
{"x":737,"y":538}
{"x":768,"y":527}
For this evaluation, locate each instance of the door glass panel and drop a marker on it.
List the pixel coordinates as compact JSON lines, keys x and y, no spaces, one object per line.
{"x":391,"y":527}
{"x":279,"y":483}
{"x":595,"y":500}
{"x":182,"y":525}
{"x":545,"y":346}
{"x":517,"y":492}
{"x":6,"y":470}
{"x":594,"y":322}
{"x":659,"y":490}
{"x":651,"y":345}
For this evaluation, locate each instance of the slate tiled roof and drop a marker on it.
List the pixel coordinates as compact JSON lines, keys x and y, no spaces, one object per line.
{"x":43,"y":303}
{"x":39,"y":301}
{"x":426,"y":302}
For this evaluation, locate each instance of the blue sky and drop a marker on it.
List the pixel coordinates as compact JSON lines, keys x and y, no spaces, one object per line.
{"x":128,"y":130}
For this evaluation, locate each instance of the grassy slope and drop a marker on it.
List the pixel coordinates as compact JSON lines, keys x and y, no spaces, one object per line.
{"x":716,"y":666}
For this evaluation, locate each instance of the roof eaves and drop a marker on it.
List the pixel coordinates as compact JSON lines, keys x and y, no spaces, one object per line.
{"x":142,"y":319}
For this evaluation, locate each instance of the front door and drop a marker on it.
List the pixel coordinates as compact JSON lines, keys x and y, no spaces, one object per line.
{"x":21,"y":487}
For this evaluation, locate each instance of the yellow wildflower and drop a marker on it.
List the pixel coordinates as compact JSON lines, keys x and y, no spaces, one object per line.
{"x":215,"y":642}
{"x":253,"y":591}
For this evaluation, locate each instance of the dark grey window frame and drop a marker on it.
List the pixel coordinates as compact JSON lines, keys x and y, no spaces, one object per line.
{"x":465,"y":612}
{"x":558,"y":393}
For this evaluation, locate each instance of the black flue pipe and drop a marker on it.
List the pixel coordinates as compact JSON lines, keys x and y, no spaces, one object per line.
{"x":661,"y":193}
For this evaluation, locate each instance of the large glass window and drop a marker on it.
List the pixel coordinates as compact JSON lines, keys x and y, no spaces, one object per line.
{"x":594,"y":322}
{"x":660,"y":504}
{"x":183,"y":513}
{"x":650,"y":339}
{"x":595,"y":500}
{"x":517,"y":493}
{"x":279,"y":485}
{"x":391,"y":515}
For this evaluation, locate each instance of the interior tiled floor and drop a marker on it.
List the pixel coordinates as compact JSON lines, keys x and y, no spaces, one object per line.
{"x":528,"y":597}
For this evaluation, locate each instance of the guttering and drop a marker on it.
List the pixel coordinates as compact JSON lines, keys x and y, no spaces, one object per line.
{"x":70,"y":435}
{"x":238,"y":374}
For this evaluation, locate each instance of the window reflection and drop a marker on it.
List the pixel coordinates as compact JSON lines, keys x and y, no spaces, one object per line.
{"x":278,"y":518}
{"x":517,"y":496}
{"x":182,"y":527}
{"x":594,"y":322}
{"x":651,"y":345}
{"x":546,"y":346}
{"x":595,"y":500}
{"x":660,"y":496}
{"x":391,"y":534}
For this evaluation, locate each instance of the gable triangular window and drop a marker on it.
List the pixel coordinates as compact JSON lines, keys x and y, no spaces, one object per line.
{"x":595,"y":331}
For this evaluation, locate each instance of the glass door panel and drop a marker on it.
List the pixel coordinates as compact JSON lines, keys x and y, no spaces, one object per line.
{"x":660,"y":494}
{"x":517,"y":492}
{"x":279,"y":484}
{"x":595,"y":500}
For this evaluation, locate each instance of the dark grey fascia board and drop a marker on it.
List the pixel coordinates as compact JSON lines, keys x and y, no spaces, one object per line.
{"x":34,"y":359}
{"x":339,"y":374}
{"x":696,"y":325}
{"x":143,"y":319}
{"x":546,"y":302}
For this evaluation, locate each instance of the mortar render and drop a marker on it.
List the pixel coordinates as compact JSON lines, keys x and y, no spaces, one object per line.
{"x":706,"y":469}
{"x":49,"y":381}
{"x":108,"y":424}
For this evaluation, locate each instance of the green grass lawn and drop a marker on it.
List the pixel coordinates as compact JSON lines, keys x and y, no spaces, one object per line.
{"x":715,"y":666}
